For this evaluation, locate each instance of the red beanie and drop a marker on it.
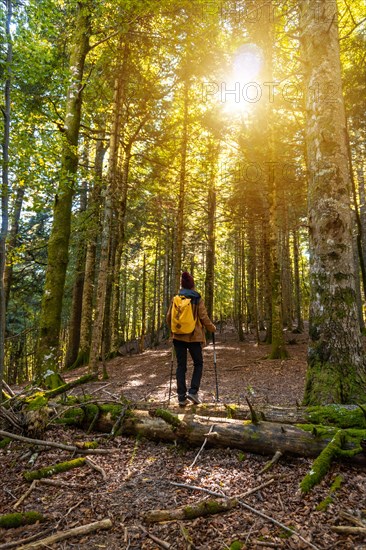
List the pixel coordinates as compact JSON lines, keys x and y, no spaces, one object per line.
{"x":187,"y":280}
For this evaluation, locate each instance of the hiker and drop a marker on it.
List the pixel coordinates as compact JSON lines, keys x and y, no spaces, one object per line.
{"x":192,"y":341}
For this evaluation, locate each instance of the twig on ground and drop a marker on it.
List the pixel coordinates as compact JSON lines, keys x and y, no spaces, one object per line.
{"x":45,"y":443}
{"x":100,"y":389}
{"x":253,"y":510}
{"x":202,"y":447}
{"x":273,"y":461}
{"x":26,"y":494}
{"x":63,"y":535}
{"x":18,"y":543}
{"x":97,"y":468}
{"x":187,"y":537}
{"x":159,"y":542}
{"x":255,"y":489}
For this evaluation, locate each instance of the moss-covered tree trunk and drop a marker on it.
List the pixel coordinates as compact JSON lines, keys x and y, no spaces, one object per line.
{"x":336,"y":367}
{"x":58,"y":245}
{"x":5,"y":181}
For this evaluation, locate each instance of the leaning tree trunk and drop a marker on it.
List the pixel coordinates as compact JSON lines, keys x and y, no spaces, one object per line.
{"x":5,"y":184}
{"x":336,"y":368}
{"x":58,"y":245}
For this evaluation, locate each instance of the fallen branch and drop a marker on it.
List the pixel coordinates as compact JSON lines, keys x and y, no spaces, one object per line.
{"x":159,"y":542}
{"x":58,"y":468}
{"x":202,"y":447}
{"x":97,"y":468}
{"x":26,"y":494}
{"x":8,"y":389}
{"x":347,"y":530}
{"x":18,"y":543}
{"x":273,"y":461}
{"x":250,"y":508}
{"x":63,"y":535}
{"x":45,"y":443}
{"x":202,"y":508}
{"x":66,"y":387}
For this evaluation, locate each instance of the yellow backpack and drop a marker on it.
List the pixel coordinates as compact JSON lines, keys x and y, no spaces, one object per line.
{"x":183,"y":321}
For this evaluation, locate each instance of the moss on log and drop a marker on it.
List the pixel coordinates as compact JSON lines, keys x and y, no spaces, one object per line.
{"x":199,"y":509}
{"x":261,"y":438}
{"x":66,"y":387}
{"x":17,"y":519}
{"x":322,"y":464}
{"x":343,"y":416}
{"x":49,"y":471}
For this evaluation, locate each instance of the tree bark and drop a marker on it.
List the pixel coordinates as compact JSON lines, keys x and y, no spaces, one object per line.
{"x":177,"y":267}
{"x":12,"y":242}
{"x":5,"y":183}
{"x":90,"y":261}
{"x":336,"y":367}
{"x":77,"y":291}
{"x":58,"y":245}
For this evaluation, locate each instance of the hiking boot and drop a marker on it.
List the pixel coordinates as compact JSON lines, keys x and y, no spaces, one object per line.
{"x":182,"y":401}
{"x":194,"y":398}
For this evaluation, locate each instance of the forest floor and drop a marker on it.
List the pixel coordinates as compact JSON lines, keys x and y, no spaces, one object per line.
{"x":139,"y":473}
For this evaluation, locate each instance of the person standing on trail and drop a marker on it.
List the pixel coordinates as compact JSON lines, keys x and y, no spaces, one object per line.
{"x":192,"y":341}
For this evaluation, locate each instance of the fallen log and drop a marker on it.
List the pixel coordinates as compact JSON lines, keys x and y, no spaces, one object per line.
{"x":262,"y":438}
{"x":343,"y":416}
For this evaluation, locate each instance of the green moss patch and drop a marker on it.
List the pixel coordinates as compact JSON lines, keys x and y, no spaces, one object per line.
{"x":10,"y":521}
{"x":49,"y":471}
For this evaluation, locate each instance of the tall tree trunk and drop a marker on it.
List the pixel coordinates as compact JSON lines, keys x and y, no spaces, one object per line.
{"x":58,"y":245}
{"x":120,"y":208}
{"x":177,"y":267}
{"x":361,"y":191}
{"x":143,"y":307}
{"x":91,"y":250}
{"x":299,"y":319}
{"x":77,"y":291}
{"x":5,"y":183}
{"x":211,"y":241}
{"x":105,"y":253}
{"x":336,"y":367}
{"x":12,"y":242}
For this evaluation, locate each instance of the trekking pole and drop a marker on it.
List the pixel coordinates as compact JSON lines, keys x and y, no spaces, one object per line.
{"x":215,"y":367}
{"x":171,"y":374}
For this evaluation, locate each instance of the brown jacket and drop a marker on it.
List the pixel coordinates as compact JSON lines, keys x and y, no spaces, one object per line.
{"x":200,"y":314}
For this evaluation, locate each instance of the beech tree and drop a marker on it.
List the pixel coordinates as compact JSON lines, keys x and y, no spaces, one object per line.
{"x":336,"y":371}
{"x":58,"y":246}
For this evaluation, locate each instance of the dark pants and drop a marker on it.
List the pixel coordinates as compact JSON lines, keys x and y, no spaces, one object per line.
{"x":195,"y":350}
